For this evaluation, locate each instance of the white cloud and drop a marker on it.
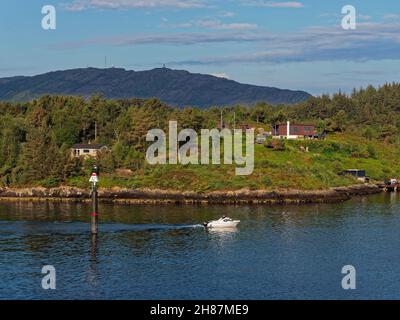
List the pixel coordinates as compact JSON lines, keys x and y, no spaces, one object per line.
{"x":274,"y":4}
{"x":218,"y":25}
{"x":335,"y":17}
{"x":79,"y":5}
{"x":227,"y":14}
{"x":183,"y":25}
{"x":371,"y":41}
{"x":364,"y":17}
{"x":392,"y":16}
{"x":166,"y":39}
{"x":213,"y":24}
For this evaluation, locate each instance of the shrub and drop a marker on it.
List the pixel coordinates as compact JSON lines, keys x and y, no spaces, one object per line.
{"x":331,"y":147}
{"x":267,"y":181}
{"x":277,"y":145}
{"x":50,"y":182}
{"x":360,"y":155}
{"x":371,"y":151}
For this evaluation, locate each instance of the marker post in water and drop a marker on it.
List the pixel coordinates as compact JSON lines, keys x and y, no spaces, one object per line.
{"x":94,"y":179}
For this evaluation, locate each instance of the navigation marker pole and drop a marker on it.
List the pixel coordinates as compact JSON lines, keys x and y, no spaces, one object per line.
{"x":94,"y":179}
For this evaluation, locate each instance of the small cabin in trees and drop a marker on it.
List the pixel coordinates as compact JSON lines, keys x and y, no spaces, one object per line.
{"x":87,"y":150}
{"x":293,"y":131}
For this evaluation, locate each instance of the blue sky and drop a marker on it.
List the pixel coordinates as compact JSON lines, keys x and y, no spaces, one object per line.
{"x":286,"y":44}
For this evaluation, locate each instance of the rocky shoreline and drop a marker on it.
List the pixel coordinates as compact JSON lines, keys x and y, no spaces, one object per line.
{"x":143,"y":196}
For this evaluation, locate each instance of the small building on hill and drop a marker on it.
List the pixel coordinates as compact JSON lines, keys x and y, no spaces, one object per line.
{"x":87,"y":150}
{"x":293,"y":131}
{"x":356,"y":173}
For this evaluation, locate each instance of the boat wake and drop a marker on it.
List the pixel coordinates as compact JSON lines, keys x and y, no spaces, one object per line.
{"x":42,"y":228}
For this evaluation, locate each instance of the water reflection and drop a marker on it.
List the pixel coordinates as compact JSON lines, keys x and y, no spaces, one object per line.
{"x":162,"y":252}
{"x":393,"y":197}
{"x":217,"y":230}
{"x":93,"y":249}
{"x":93,"y":273}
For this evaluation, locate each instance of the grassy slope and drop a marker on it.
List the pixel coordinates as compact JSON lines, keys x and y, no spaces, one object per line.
{"x":289,"y":169}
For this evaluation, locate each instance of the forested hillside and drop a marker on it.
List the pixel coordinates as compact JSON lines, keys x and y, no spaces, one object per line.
{"x":175,"y":87}
{"x":35,"y":141}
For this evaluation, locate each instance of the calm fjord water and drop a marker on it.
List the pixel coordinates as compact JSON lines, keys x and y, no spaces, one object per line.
{"x":160,"y":252}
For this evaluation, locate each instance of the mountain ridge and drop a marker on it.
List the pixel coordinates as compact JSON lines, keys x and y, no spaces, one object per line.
{"x":175,"y":87}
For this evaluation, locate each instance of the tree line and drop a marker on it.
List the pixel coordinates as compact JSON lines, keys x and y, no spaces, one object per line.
{"x":36,"y":137}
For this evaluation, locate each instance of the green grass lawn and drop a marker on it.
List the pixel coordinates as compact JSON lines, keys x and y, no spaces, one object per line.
{"x":288,"y":169}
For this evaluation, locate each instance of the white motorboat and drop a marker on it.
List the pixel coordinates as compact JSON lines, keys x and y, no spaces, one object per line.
{"x":224,"y":222}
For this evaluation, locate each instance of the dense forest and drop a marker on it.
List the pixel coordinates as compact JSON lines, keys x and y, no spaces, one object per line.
{"x":35,"y":138}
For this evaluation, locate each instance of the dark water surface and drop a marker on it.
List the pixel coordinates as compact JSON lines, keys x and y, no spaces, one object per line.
{"x":161,"y":252}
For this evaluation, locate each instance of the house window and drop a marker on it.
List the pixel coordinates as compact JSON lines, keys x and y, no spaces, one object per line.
{"x":307,"y":129}
{"x":86,"y":151}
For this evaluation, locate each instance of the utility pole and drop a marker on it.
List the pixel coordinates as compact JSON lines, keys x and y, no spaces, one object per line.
{"x":95,"y":131}
{"x":222,"y":121}
{"x":94,"y":179}
{"x":234,"y":120}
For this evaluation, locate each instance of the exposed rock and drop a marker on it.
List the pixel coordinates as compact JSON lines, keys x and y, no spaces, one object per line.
{"x":147,"y":196}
